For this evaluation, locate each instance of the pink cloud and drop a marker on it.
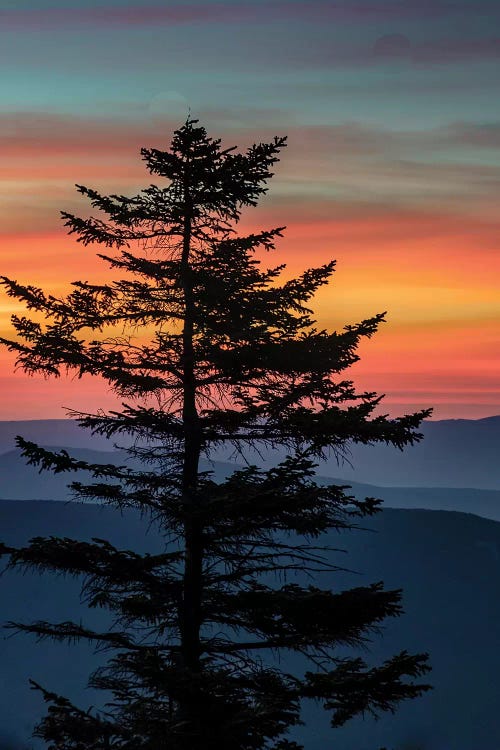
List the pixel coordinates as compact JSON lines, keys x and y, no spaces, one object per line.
{"x":125,"y":16}
{"x":47,"y":135}
{"x":399,"y":46}
{"x":486,"y":135}
{"x":451,"y":50}
{"x":211,"y":12}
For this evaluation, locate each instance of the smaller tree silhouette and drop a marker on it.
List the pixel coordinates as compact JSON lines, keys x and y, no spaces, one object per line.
{"x":209,"y":349}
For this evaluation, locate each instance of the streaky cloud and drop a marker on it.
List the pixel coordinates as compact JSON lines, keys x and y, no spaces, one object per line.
{"x":217,"y":12}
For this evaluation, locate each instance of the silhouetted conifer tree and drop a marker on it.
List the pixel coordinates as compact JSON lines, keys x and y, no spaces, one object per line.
{"x":208,"y":350}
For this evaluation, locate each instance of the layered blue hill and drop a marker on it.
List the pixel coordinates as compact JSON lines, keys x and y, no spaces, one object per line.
{"x":22,"y":482}
{"x":448,"y":564}
{"x":455,"y":453}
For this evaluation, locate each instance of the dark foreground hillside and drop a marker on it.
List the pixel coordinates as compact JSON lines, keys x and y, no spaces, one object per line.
{"x":448,"y":564}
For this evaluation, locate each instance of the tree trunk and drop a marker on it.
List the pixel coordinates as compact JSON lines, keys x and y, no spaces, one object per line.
{"x":192,"y":584}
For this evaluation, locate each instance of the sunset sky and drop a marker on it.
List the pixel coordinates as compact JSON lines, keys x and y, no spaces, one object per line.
{"x":392,"y":110}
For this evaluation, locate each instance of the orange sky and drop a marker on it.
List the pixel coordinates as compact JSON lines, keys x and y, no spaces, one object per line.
{"x":438,"y":348}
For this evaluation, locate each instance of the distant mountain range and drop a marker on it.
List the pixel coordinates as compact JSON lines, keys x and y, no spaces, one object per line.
{"x":447,"y":563}
{"x":453,"y":453}
{"x":456,"y":453}
{"x":22,"y":482}
{"x":50,"y":432}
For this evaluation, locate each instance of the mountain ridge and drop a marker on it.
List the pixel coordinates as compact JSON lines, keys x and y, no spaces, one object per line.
{"x":459,"y":453}
{"x":441,"y":560}
{"x":22,"y":483}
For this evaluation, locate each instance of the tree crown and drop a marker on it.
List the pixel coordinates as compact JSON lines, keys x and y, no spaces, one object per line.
{"x":234,"y":357}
